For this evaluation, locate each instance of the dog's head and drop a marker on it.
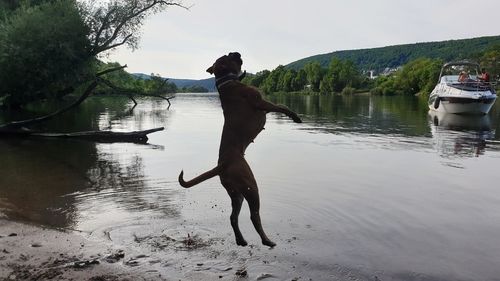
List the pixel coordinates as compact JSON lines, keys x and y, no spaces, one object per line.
{"x":228,"y":64}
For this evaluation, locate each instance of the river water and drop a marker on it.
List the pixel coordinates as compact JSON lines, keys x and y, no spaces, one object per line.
{"x":367,"y":188}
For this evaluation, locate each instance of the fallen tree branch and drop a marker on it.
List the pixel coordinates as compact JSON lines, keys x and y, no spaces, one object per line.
{"x":99,"y":136}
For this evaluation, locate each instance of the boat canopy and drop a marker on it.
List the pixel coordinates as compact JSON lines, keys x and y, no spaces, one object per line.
{"x":465,"y":62}
{"x":447,"y":65}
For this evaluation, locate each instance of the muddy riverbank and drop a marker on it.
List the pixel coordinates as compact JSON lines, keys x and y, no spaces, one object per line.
{"x":29,"y":252}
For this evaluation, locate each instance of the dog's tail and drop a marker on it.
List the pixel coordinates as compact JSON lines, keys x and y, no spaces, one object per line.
{"x":203,"y":177}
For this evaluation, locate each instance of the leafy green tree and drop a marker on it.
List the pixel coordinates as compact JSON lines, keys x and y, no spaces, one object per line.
{"x":419,"y":76}
{"x":491,"y":61}
{"x":286,"y":82}
{"x":339,"y":75}
{"x":416,"y":77}
{"x":51,"y":48}
{"x":44,"y":52}
{"x":327,"y":84}
{"x":273,"y":83}
{"x":257,"y":79}
{"x":300,"y":80}
{"x":314,"y":74}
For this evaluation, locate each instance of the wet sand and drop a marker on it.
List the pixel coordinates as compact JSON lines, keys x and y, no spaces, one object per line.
{"x":29,"y":252}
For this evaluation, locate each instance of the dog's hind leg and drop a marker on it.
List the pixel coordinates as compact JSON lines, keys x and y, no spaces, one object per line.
{"x":236,"y":202}
{"x":252,"y":197}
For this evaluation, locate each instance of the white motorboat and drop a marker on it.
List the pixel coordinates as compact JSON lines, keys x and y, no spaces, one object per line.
{"x":467,"y":95}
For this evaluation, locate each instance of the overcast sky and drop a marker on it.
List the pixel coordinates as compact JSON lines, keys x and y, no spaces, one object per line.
{"x":182,"y":44}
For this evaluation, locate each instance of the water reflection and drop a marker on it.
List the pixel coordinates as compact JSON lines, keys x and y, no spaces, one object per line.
{"x":61,"y":183}
{"x":359,"y":113}
{"x":461,"y":135}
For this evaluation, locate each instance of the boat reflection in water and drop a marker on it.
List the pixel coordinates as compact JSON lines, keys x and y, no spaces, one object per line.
{"x":460,"y":135}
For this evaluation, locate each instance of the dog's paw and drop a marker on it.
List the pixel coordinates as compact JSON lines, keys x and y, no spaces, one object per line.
{"x":241,"y":242}
{"x":296,"y":118}
{"x":268,"y":243}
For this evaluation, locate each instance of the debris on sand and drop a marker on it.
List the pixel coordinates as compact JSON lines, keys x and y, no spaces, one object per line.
{"x":115,"y":257}
{"x":165,"y":242}
{"x":241,"y":273}
{"x":84,"y":264}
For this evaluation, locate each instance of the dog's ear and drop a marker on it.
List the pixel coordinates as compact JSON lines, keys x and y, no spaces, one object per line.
{"x":211,"y":70}
{"x":235,"y":56}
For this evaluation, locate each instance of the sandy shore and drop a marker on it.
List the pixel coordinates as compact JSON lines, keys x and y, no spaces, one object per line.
{"x":29,"y":252}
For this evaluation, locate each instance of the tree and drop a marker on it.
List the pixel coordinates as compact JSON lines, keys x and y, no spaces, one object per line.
{"x":491,"y":61}
{"x":44,"y":52}
{"x":419,"y":76}
{"x":416,"y":77}
{"x":299,"y":81}
{"x":339,"y":75}
{"x":285,"y":84}
{"x":55,"y":46}
{"x":273,"y":82}
{"x":313,"y":74}
{"x":256,"y":80}
{"x":118,"y":22}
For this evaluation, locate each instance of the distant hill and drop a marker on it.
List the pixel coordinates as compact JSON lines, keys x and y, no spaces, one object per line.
{"x":208,"y":83}
{"x":393,"y":56}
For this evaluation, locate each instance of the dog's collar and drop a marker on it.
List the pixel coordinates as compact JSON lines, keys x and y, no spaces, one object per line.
{"x":219,"y":82}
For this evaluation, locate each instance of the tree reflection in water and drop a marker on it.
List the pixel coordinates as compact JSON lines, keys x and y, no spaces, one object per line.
{"x":60,"y":182}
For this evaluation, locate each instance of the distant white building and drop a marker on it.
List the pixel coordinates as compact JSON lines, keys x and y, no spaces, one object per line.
{"x":371,"y":74}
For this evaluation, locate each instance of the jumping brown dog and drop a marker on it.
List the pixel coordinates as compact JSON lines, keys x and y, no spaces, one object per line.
{"x":244,"y":118}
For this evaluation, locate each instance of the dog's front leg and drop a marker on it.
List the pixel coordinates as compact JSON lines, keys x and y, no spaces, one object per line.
{"x":271,"y":107}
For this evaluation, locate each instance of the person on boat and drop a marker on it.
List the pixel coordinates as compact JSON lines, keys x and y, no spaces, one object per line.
{"x":463,"y":77}
{"x":485,"y":76}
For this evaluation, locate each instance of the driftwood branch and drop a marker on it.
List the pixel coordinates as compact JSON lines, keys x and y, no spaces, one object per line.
{"x":99,"y":136}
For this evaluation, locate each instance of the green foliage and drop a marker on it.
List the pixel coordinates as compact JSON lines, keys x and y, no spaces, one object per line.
{"x":273,"y":82}
{"x":393,"y":56}
{"x":314,"y":72}
{"x":48,"y":48}
{"x":348,"y":90}
{"x":491,"y":61}
{"x":339,"y":75}
{"x":256,"y":79}
{"x":43,"y":52}
{"x":416,"y":77}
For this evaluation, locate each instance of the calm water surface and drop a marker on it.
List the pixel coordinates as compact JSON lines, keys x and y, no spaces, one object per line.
{"x":367,"y":188}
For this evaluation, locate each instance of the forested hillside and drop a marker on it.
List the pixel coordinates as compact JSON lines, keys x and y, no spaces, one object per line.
{"x":393,"y":56}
